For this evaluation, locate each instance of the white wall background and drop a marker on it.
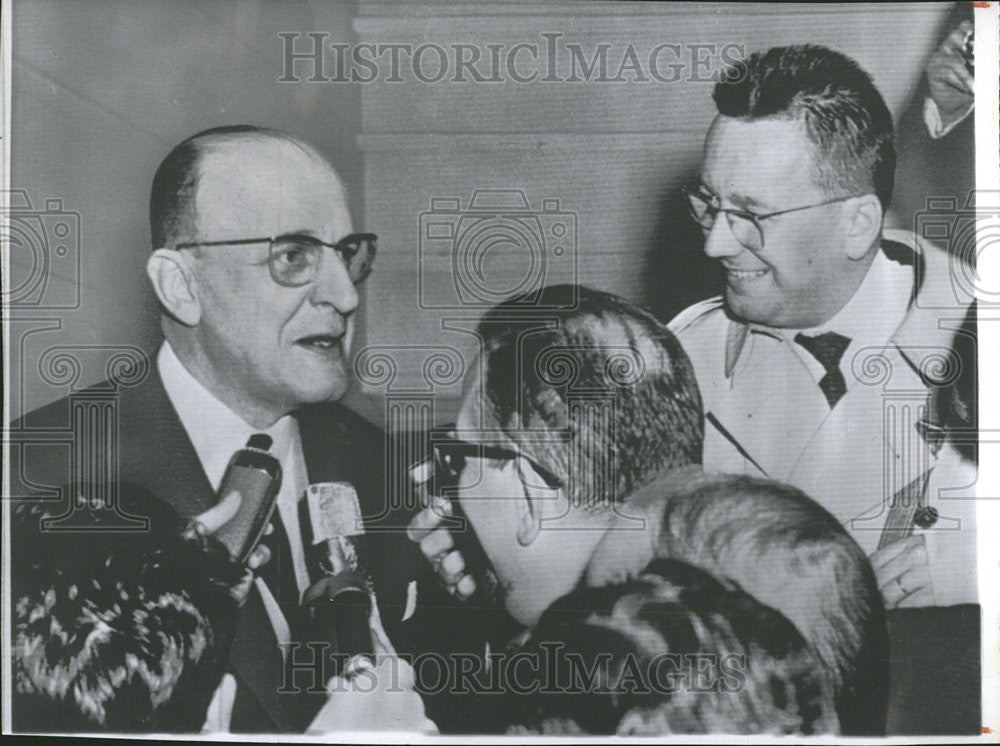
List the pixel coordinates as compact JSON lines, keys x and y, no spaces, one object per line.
{"x":102,"y":89}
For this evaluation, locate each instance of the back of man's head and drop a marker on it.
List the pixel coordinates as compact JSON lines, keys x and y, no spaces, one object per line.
{"x":673,"y":650}
{"x":608,"y":382}
{"x":116,"y":630}
{"x":844,"y":115}
{"x":791,"y":554}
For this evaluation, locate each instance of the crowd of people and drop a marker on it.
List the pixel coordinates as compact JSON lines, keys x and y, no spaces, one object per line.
{"x":668,"y":528}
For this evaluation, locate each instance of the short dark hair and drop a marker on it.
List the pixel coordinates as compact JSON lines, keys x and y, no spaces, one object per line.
{"x":793,"y":555}
{"x":604,"y":374}
{"x":677,"y":650}
{"x":112,"y":630}
{"x":175,"y":182}
{"x":845,"y":116}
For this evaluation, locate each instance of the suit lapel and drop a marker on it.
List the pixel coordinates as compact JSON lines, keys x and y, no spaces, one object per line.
{"x":157,"y":453}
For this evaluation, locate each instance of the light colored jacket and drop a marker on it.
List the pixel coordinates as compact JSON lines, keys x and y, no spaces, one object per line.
{"x":852,"y":459}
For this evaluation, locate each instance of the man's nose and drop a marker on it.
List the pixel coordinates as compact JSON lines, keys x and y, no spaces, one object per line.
{"x":333,"y":285}
{"x":720,"y":241}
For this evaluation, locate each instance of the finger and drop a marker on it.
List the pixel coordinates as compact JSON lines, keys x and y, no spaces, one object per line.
{"x":422,"y":472}
{"x":241,"y":590}
{"x":958,"y":77}
{"x":436,"y":544}
{"x":966,"y":80}
{"x":259,"y":557}
{"x":452,"y":567}
{"x":896,"y":567}
{"x":220,"y":514}
{"x":916,"y":579}
{"x":923,"y":597}
{"x":897,"y":548}
{"x":465,"y":587}
{"x":893,"y":592}
{"x":887,"y":554}
{"x":891,"y":596}
{"x":268,"y":529}
{"x":892,"y":566}
{"x":381,"y":645}
{"x":426,"y":521}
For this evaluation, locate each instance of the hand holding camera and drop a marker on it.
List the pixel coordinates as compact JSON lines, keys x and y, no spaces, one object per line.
{"x":436,"y":541}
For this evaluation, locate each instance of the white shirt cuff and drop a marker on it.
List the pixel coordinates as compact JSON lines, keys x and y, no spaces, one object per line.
{"x":932,"y":119}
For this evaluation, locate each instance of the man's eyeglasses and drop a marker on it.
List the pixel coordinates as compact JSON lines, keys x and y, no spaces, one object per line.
{"x":294,"y":260}
{"x":450,"y":454}
{"x":745,"y":225}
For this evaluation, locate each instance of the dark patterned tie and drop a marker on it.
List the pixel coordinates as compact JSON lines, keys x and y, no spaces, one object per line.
{"x":828,"y":349}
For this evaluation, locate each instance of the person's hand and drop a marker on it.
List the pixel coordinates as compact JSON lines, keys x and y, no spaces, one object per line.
{"x":903,"y":573}
{"x":436,"y":541}
{"x":949,"y":80}
{"x":216,"y":517}
{"x":380,"y":696}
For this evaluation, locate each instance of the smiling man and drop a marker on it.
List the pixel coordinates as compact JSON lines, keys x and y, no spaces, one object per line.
{"x":819,"y":302}
{"x":256,"y":267}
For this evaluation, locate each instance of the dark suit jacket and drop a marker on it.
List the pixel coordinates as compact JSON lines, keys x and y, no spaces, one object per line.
{"x":154,"y":453}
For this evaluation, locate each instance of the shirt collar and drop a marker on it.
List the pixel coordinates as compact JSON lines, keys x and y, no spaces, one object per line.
{"x":869,"y":318}
{"x":215,"y":430}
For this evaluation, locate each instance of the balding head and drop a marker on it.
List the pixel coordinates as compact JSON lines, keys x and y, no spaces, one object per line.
{"x":209,"y":159}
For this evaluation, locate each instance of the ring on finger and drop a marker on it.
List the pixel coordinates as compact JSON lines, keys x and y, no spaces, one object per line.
{"x":902,"y":588}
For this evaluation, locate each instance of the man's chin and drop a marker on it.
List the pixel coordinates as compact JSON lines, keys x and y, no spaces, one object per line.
{"x":324,"y":392}
{"x":749,"y":309}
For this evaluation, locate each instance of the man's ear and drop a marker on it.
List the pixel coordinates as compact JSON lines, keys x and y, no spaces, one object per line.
{"x":174,"y":285}
{"x":532,"y":508}
{"x":864,"y":226}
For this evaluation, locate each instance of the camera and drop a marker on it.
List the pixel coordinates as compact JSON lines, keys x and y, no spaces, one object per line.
{"x":496,"y":247}
{"x":44,"y":254}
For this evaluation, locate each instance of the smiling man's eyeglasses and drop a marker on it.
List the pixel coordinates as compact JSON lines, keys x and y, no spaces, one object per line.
{"x":745,"y":225}
{"x":451,"y":454}
{"x":294,"y":259}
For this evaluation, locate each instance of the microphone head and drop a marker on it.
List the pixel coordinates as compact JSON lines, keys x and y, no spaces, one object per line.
{"x":334,"y":511}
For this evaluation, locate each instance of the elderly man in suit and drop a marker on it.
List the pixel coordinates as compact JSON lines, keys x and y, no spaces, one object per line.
{"x":827,"y":322}
{"x":256,"y":267}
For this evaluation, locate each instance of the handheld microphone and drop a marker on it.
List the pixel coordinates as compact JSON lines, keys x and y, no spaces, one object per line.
{"x":256,"y":475}
{"x":341,"y":600}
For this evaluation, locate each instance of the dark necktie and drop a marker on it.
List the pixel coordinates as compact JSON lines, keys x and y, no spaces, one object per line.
{"x":828,"y":348}
{"x":279,"y":572}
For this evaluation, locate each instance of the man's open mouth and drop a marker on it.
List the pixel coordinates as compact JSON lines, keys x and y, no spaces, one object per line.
{"x":320,"y":341}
